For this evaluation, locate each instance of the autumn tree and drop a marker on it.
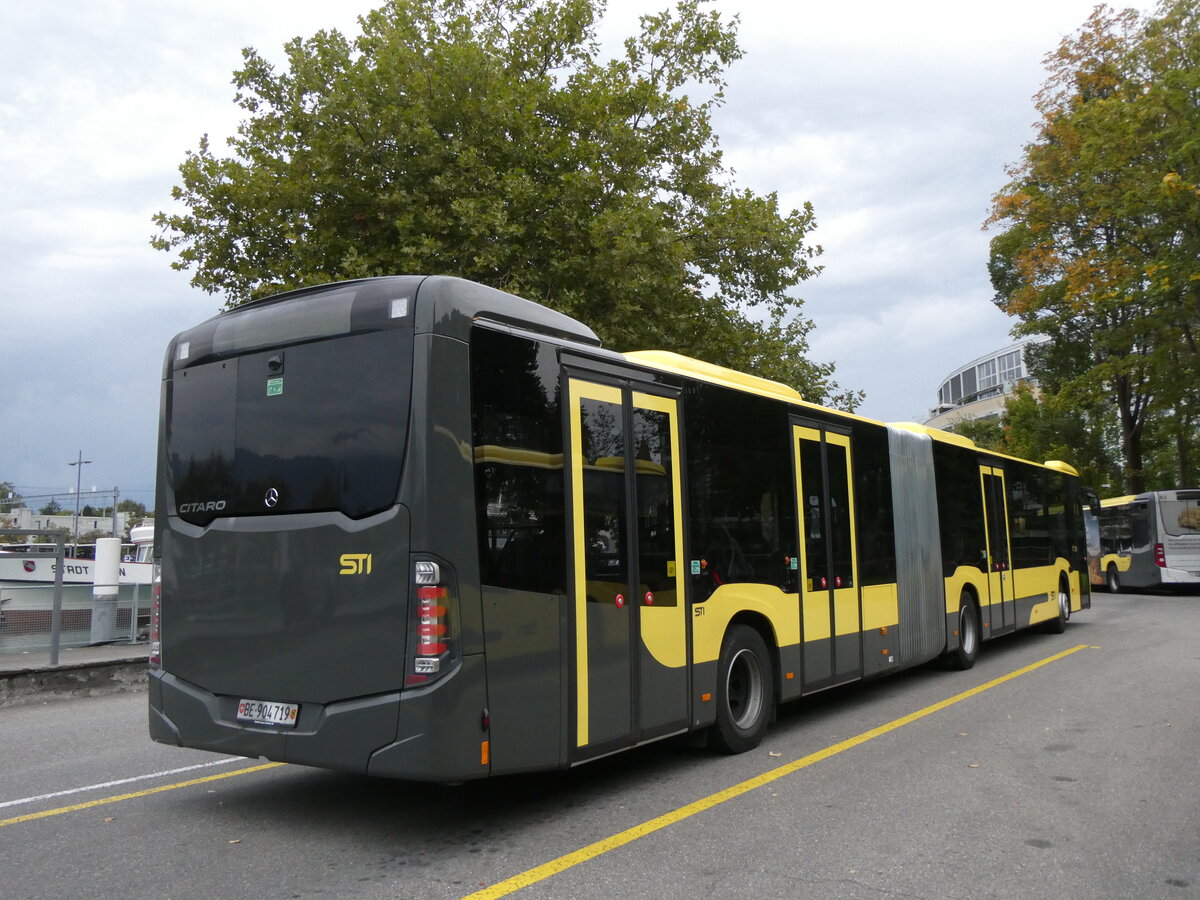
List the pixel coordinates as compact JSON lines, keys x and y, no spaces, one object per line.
{"x":490,"y":139}
{"x":1100,"y":248}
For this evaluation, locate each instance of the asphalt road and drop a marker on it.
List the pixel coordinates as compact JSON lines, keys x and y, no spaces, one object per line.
{"x":1078,"y":777}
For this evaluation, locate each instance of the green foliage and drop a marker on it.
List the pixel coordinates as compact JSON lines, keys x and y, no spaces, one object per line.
{"x":1045,"y":428}
{"x":987,"y":433}
{"x":489,"y":139}
{"x":1101,"y":248}
{"x":1041,"y":428}
{"x":8,"y":495}
{"x":133,"y":508}
{"x":53,"y":508}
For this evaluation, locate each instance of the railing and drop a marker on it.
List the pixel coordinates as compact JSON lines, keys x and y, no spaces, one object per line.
{"x":29,"y":614}
{"x":45,"y":617}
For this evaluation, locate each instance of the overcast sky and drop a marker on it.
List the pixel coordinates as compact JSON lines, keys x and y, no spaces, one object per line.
{"x":894,"y":119}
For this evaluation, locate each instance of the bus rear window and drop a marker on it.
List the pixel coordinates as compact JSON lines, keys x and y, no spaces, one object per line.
{"x":311,"y":427}
{"x":1181,"y":516}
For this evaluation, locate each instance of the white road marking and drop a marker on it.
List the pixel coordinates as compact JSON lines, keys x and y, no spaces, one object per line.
{"x":109,"y":784}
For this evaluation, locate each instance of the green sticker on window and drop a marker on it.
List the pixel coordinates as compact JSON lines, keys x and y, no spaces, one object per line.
{"x":274,"y":387}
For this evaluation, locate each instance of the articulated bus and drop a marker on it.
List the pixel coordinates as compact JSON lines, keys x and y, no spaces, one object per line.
{"x":1149,"y":540}
{"x":420,"y":528}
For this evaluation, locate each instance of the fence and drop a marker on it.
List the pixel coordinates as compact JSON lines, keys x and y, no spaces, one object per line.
{"x":27,"y":614}
{"x":47,"y":616}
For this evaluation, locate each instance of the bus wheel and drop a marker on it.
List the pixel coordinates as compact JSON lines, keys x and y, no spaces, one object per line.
{"x":745,"y":687}
{"x":968,"y":634}
{"x":1112,"y":580}
{"x":1058,"y":624}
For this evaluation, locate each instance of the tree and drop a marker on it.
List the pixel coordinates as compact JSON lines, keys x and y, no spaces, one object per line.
{"x":488,"y":139}
{"x":987,"y":432}
{"x":53,"y":508}
{"x":1101,"y":247}
{"x":1042,"y":428}
{"x":134,"y":509}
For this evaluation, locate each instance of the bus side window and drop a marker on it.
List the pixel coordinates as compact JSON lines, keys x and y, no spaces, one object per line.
{"x":517,"y":437}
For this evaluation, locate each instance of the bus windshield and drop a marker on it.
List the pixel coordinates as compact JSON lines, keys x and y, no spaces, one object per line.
{"x":310,"y":427}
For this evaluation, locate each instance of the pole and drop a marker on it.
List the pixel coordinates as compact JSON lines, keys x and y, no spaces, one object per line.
{"x":116,"y":497}
{"x":56,"y":611}
{"x":80,"y":463}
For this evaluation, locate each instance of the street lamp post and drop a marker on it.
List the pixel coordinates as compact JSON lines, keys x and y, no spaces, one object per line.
{"x":79,"y":464}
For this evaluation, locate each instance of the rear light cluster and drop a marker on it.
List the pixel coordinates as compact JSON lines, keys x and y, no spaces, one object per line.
{"x":433,"y":645}
{"x":156,"y":619}
{"x":1160,"y":556}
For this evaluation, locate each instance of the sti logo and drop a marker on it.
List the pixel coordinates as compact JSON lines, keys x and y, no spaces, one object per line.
{"x":355,"y":564}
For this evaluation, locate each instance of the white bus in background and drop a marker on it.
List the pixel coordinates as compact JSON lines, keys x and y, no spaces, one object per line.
{"x":1150,"y":540}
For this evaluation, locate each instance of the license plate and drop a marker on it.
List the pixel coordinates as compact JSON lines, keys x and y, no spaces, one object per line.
{"x":265,"y":712}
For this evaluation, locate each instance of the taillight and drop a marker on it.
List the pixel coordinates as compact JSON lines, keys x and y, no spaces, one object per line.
{"x":156,"y":619}
{"x":1160,"y":556}
{"x":431,"y":622}
{"x":433,"y":645}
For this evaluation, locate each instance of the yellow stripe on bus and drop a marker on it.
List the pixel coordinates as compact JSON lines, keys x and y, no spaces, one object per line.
{"x":599,"y":848}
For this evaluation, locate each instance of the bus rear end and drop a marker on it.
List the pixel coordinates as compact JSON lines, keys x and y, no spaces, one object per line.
{"x":1177,"y":552}
{"x":296,"y":621}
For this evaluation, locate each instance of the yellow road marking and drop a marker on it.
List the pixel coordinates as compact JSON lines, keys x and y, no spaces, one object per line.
{"x":554,"y":867}
{"x":45,"y":814}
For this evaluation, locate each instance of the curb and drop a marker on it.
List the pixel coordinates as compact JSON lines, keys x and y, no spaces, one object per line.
{"x":21,"y":687}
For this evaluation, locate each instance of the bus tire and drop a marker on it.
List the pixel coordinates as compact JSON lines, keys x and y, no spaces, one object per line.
{"x":964,"y":655}
{"x":745,"y":691}
{"x":1112,"y":580}
{"x":1058,"y":624}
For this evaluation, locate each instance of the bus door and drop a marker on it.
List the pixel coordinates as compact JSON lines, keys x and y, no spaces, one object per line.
{"x":830,"y":613}
{"x":1000,"y":613}
{"x":630,"y":624}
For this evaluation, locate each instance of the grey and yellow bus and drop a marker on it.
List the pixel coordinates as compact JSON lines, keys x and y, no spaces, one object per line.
{"x":420,"y":528}
{"x":1150,"y":540}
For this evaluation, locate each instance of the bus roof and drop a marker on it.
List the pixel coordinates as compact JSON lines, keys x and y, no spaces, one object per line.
{"x":946,"y":437}
{"x":959,"y":440}
{"x":677,"y":364}
{"x":1119,"y":501}
{"x":695,"y":368}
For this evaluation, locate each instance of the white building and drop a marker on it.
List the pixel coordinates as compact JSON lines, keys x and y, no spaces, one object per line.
{"x":978,"y":389}
{"x":24,"y":517}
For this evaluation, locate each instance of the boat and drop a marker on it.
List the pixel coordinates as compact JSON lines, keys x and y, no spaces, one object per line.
{"x":37,"y":566}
